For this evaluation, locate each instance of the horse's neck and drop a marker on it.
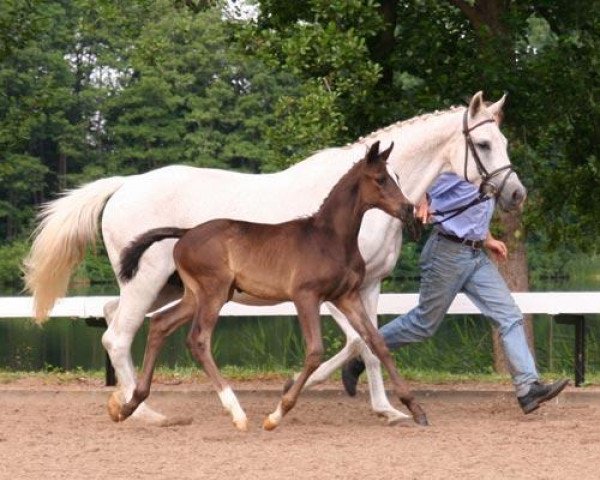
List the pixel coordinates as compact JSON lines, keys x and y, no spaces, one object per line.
{"x":420,"y":150}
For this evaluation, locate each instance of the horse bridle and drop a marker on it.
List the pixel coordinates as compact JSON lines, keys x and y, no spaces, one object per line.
{"x":487,"y":188}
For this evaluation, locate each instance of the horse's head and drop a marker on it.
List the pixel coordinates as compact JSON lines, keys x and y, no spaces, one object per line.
{"x":378,"y":189}
{"x":480,"y":153}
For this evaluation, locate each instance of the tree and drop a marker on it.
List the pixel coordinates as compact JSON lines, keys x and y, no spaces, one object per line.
{"x":441,"y":52}
{"x":191,"y":95}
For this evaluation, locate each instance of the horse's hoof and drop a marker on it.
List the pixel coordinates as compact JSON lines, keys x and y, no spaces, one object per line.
{"x":287,"y":385}
{"x":421,"y":419}
{"x":394,"y":420}
{"x":241,"y":425}
{"x":269,"y":425}
{"x":115,"y":402}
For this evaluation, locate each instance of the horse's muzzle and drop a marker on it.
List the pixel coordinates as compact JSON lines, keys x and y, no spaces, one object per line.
{"x":512,"y":200}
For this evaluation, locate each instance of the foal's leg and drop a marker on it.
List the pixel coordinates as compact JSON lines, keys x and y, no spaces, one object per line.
{"x":310,"y":322}
{"x":355,"y":346}
{"x":199,"y":343}
{"x":353,"y":308}
{"x":161,"y":326}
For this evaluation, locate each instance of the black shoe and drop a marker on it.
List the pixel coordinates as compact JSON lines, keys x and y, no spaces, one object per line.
{"x":351,"y":370}
{"x":540,"y":393}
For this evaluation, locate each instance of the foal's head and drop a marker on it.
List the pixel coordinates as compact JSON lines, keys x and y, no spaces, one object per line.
{"x":377,"y":188}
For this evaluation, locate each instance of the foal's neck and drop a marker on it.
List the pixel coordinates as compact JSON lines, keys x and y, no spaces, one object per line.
{"x":342,"y":211}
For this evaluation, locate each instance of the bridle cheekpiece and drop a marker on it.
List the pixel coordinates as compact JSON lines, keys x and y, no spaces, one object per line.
{"x":487,"y":188}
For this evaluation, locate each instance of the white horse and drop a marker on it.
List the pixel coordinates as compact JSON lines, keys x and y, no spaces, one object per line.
{"x":463,"y":140}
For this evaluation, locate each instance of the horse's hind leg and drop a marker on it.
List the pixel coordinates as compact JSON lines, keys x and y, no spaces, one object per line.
{"x":379,"y":401}
{"x":199,"y":343}
{"x":310,"y":322}
{"x":352,"y":307}
{"x":135,"y":300}
{"x":161,"y":326}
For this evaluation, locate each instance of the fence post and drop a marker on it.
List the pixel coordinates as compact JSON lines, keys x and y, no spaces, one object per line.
{"x":578,"y":321}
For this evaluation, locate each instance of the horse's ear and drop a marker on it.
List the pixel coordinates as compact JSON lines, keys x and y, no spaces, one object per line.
{"x":496,"y":108}
{"x":475,"y":104}
{"x":373,"y":153}
{"x":383,"y":156}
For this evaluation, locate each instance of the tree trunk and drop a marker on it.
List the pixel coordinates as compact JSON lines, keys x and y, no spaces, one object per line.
{"x":515,"y":273}
{"x":382,"y":46}
{"x":62,"y":171}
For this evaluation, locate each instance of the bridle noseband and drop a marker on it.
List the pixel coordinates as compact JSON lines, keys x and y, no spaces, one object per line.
{"x":487,"y":188}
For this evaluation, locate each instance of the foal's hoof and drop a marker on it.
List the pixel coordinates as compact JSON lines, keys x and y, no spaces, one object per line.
{"x":421,"y":419}
{"x":115,"y":402}
{"x":269,"y":424}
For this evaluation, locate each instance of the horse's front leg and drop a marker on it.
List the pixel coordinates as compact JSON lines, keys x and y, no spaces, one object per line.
{"x":310,"y":323}
{"x":354,"y":310}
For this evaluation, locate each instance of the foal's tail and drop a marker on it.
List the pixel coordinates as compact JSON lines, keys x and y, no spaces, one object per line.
{"x":66,"y":226}
{"x":130,"y":256}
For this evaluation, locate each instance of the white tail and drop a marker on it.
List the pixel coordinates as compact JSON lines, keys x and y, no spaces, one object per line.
{"x":66,"y":226}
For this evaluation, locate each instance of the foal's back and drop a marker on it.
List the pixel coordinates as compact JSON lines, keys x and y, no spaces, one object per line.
{"x":269,"y":261}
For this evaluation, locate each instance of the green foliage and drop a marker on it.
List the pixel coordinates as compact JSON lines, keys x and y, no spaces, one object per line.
{"x":324,"y":44}
{"x":11,"y":255}
{"x":307,"y":121}
{"x":192,"y":97}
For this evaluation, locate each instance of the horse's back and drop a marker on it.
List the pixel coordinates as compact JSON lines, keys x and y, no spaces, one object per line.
{"x":184,"y":196}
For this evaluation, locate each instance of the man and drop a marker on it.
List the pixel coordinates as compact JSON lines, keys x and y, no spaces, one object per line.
{"x":453,"y":261}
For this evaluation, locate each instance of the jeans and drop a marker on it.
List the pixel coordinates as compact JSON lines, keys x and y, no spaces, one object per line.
{"x":448,"y":268}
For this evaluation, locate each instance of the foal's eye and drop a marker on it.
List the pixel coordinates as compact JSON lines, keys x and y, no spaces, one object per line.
{"x":381,"y":180}
{"x":484,"y":145}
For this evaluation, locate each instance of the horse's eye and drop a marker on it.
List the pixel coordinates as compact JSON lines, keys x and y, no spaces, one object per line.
{"x":381,"y":180}
{"x":483,"y":145}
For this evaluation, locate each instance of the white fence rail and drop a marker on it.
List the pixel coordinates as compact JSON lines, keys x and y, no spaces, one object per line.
{"x":566,"y":307}
{"x":550,"y":303}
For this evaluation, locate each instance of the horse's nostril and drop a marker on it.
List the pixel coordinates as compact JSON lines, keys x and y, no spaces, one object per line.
{"x":518,"y":195}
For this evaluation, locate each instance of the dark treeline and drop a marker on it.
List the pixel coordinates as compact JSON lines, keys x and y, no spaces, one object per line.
{"x":94,"y":88}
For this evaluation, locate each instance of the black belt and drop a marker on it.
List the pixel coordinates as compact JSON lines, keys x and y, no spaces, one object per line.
{"x":476,"y":244}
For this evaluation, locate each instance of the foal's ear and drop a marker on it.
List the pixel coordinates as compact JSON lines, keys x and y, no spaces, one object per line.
{"x":373,"y":153}
{"x":383,"y":156}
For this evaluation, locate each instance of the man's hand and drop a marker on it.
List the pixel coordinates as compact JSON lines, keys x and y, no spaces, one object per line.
{"x":497,"y":247}
{"x":422,"y":211}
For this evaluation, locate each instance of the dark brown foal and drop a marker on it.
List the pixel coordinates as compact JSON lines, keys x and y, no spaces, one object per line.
{"x":307,"y":261}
